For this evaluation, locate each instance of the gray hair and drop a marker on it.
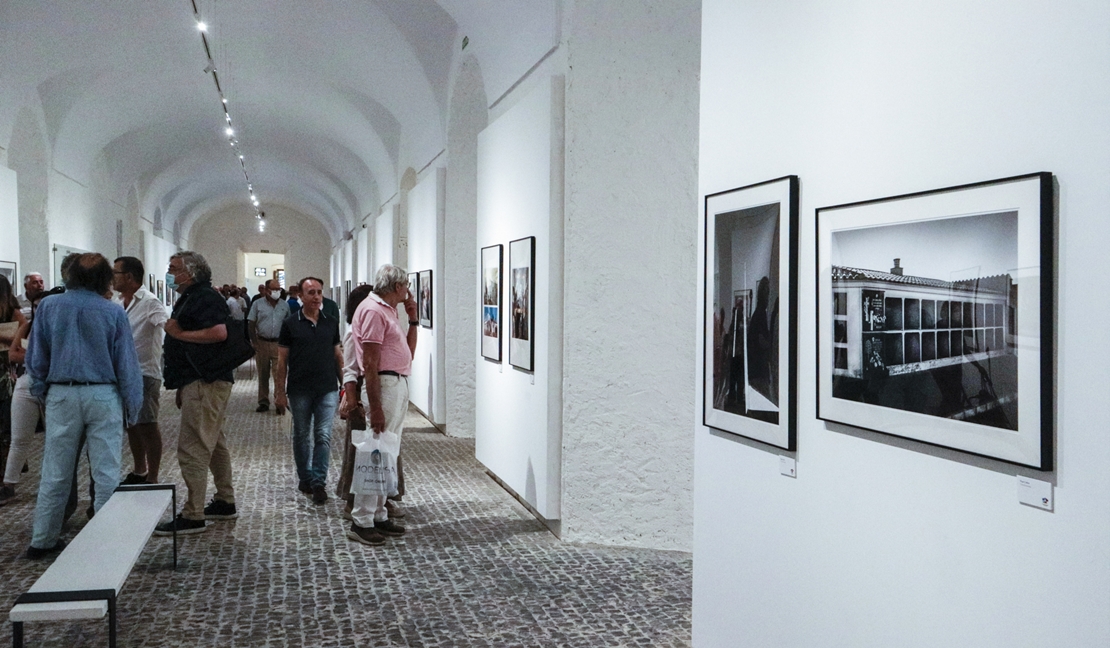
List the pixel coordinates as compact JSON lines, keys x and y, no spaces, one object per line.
{"x":195,"y":264}
{"x":31,"y":274}
{"x":387,"y":278}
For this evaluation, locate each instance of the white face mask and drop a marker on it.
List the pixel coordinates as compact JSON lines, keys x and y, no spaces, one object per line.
{"x":275,"y":294}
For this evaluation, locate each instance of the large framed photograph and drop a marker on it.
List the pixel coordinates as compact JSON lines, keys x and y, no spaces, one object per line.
{"x":751,"y":294}
{"x":425,"y":305}
{"x":491,"y":302}
{"x":935,"y":317}
{"x":8,"y":270}
{"x":522,"y":300}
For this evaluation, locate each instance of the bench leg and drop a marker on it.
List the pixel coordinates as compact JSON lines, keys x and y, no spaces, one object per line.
{"x":17,"y":634}
{"x":112,"y":622}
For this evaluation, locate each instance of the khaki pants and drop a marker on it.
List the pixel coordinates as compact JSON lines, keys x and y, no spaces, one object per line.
{"x":266,"y":354}
{"x":202,"y":446}
{"x":395,"y":402}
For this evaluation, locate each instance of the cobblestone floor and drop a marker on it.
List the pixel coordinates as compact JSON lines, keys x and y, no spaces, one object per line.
{"x":474,"y":569}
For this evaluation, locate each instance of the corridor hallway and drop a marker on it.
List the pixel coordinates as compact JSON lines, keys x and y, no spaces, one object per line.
{"x":474,"y":569}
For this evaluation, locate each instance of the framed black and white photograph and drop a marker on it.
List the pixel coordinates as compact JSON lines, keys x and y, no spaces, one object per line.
{"x":522,"y":301}
{"x":424,"y":307}
{"x":414,"y":289}
{"x":150,"y":283}
{"x":9,"y":270}
{"x":751,"y":293}
{"x":490,"y":302}
{"x":162,"y":293}
{"x":935,"y":317}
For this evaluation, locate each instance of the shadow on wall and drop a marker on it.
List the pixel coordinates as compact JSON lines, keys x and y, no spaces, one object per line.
{"x":530,"y":485}
{"x":431,"y":389}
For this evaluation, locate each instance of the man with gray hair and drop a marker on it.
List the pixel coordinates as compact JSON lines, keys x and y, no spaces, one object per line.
{"x":384,"y":354}
{"x":33,"y":286}
{"x":198,"y":318}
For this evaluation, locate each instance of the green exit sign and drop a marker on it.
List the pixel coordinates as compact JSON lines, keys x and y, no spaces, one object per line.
{"x":265,"y":251}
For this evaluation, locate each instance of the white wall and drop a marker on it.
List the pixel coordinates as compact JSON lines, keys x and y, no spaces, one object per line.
{"x":9,"y":223}
{"x":224,"y":236}
{"x":881,"y":542}
{"x":362,"y":269}
{"x":631,"y":252}
{"x":519,"y":414}
{"x":425,"y":252}
{"x":383,"y":239}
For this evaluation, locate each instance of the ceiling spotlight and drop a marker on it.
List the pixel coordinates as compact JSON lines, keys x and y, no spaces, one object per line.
{"x":202,"y":26}
{"x":211,"y":67}
{"x":227,"y":117}
{"x":223,"y":99}
{"x":240,"y":156}
{"x":229,"y":132}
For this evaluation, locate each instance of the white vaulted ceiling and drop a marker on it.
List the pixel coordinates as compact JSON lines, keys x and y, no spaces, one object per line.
{"x":331,"y":100}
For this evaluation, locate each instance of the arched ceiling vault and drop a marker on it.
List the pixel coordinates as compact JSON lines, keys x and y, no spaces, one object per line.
{"x":330,"y":100}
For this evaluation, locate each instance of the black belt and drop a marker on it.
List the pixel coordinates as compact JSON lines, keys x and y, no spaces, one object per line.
{"x":78,"y":383}
{"x":260,"y":337}
{"x":390,"y":373}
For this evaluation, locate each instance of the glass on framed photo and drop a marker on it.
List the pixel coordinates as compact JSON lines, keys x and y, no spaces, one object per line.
{"x":490,"y":302}
{"x":935,"y":317}
{"x":750,"y":333}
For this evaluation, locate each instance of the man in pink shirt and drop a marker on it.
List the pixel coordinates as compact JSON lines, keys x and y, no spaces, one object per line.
{"x":384,"y":354}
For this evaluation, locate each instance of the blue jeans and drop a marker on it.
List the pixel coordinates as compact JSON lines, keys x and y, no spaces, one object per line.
{"x":96,"y":411}
{"x":312,"y":413}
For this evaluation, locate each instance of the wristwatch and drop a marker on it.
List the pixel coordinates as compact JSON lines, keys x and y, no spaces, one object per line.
{"x":413,"y":322}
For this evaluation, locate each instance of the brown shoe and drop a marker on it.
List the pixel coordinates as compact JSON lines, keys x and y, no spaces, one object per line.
{"x":394,"y":509}
{"x":365,"y":536}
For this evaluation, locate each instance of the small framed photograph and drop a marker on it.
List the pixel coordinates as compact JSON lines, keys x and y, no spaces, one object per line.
{"x":9,"y":270}
{"x":522,"y":301}
{"x":935,"y":317}
{"x":490,"y":302}
{"x":424,"y":307}
{"x":751,"y":297}
{"x":162,"y":293}
{"x":150,"y":283}
{"x":414,"y":288}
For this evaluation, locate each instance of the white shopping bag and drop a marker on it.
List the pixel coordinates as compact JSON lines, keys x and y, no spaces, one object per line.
{"x":375,"y":470}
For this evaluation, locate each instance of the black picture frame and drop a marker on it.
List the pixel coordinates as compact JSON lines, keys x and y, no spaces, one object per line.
{"x":10,"y":270}
{"x":953,"y":345}
{"x":522,"y":300}
{"x":424,"y":306}
{"x":150,"y":282}
{"x":750,"y":369}
{"x":162,"y":293}
{"x":489,"y":301}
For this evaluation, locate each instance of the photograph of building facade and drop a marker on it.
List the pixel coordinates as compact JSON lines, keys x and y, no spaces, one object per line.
{"x":926,"y":345}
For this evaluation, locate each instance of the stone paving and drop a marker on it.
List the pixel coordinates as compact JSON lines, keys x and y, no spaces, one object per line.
{"x":474,"y":569}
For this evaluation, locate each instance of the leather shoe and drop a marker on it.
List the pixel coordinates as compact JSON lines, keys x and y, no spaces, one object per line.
{"x":34,"y":553}
{"x":319,"y":494}
{"x":262,"y":407}
{"x":280,"y":410}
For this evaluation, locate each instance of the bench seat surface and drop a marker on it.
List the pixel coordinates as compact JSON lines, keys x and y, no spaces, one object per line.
{"x":100,"y":557}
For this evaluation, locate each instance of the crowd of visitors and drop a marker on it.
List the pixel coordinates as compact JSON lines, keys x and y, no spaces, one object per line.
{"x":87,"y":362}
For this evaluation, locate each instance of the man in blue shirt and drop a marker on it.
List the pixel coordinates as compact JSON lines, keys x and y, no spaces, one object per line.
{"x":82,"y":362}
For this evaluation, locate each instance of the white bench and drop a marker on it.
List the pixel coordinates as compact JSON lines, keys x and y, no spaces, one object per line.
{"x":86,"y":577}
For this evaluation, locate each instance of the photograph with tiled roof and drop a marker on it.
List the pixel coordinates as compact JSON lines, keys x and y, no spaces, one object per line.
{"x":924,"y":317}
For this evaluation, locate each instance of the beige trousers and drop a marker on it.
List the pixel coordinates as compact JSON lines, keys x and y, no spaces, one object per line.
{"x":266,"y":354}
{"x":395,"y":402}
{"x":202,"y":445}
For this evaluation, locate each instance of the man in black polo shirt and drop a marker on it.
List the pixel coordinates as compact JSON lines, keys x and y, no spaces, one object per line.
{"x":198,"y":318}
{"x":309,"y":352}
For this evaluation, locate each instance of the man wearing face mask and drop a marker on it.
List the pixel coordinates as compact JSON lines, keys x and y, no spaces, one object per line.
{"x":199,"y":317}
{"x":264,"y":322}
